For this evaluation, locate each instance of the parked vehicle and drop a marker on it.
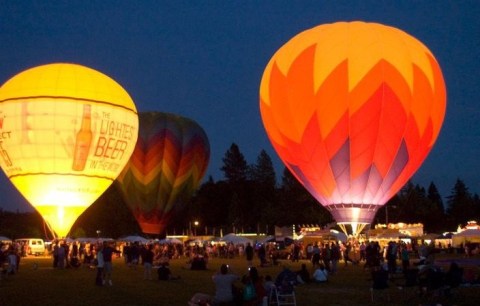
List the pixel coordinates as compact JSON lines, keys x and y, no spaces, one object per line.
{"x":33,"y":246}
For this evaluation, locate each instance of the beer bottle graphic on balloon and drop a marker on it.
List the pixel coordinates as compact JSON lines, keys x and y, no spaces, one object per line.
{"x":83,"y":140}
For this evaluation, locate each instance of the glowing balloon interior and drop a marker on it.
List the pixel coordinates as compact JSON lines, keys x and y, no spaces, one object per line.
{"x":166,"y":167}
{"x":66,"y":133}
{"x":353,"y":109}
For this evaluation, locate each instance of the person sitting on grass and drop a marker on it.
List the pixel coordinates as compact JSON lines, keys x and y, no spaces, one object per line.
{"x":253,"y":290}
{"x":321,"y":274}
{"x":303,"y":276}
{"x":286,"y":280}
{"x":223,"y":286}
{"x":164,"y":272}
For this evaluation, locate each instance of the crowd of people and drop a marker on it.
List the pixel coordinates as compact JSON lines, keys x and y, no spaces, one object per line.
{"x":232,"y":287}
{"x":10,"y":255}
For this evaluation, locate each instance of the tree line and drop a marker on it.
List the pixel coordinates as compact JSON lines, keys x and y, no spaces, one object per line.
{"x":250,"y":199}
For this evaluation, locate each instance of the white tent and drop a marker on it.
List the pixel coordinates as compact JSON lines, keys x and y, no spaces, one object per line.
{"x":267,"y":239}
{"x":232,"y":238}
{"x":5,"y":239}
{"x":469,"y":235}
{"x":92,"y":239}
{"x":139,"y":239}
{"x":170,"y":241}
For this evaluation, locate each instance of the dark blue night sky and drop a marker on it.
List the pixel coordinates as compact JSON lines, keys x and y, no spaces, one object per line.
{"x":204,"y":60}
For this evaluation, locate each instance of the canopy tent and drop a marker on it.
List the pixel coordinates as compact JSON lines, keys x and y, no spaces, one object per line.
{"x":266,"y":239}
{"x":324,"y":236}
{"x":5,"y":239}
{"x":92,"y":239}
{"x":232,"y":238}
{"x":469,"y":235}
{"x":271,"y":238}
{"x":132,"y":239}
{"x":170,"y":241}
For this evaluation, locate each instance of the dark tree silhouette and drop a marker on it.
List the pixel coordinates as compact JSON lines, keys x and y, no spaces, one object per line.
{"x":263,"y":182}
{"x":250,"y":199}
{"x":297,"y":205}
{"x":235,"y":166}
{"x":460,"y":205}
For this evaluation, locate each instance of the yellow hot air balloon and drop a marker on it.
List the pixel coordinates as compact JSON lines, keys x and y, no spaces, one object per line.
{"x":66,"y":132}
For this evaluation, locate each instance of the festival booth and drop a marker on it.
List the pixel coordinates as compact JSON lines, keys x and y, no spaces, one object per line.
{"x":470,"y":234}
{"x":437,"y":240}
{"x":466,"y":236}
{"x":323,"y":236}
{"x":200,"y":240}
{"x":444,"y":240}
{"x":384,"y":233}
{"x":312,"y":234}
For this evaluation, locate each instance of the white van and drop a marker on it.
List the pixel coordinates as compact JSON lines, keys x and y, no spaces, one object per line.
{"x":33,"y":246}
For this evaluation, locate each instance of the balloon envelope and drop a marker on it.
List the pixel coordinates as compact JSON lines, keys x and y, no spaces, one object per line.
{"x":353,"y":109}
{"x":67,"y":132}
{"x":166,"y":167}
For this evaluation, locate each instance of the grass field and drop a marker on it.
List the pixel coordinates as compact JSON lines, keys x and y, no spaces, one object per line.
{"x":37,"y":283}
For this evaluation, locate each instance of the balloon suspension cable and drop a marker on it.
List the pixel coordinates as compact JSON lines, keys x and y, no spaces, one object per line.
{"x":357,"y":228}
{"x":45,"y":226}
{"x":343,"y":228}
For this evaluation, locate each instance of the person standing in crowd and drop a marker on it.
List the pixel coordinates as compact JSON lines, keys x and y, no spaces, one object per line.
{"x":392,"y":257}
{"x":99,"y":280}
{"x":347,"y":248}
{"x":335,"y":256}
{"x":134,"y":254}
{"x":60,"y":256}
{"x":249,"y":253}
{"x":108,"y":251}
{"x":405,"y":257}
{"x":363,"y":253}
{"x":66,"y":247}
{"x":55,"y":254}
{"x":12,"y":261}
{"x":262,"y":255}
{"x":315,"y":255}
{"x":147,"y":260}
{"x":295,"y":252}
{"x":326,"y":256}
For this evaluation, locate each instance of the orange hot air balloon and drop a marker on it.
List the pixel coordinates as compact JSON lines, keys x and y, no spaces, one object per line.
{"x":353,"y":109}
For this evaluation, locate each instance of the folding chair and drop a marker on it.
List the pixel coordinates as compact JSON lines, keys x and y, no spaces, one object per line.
{"x":279,"y":297}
